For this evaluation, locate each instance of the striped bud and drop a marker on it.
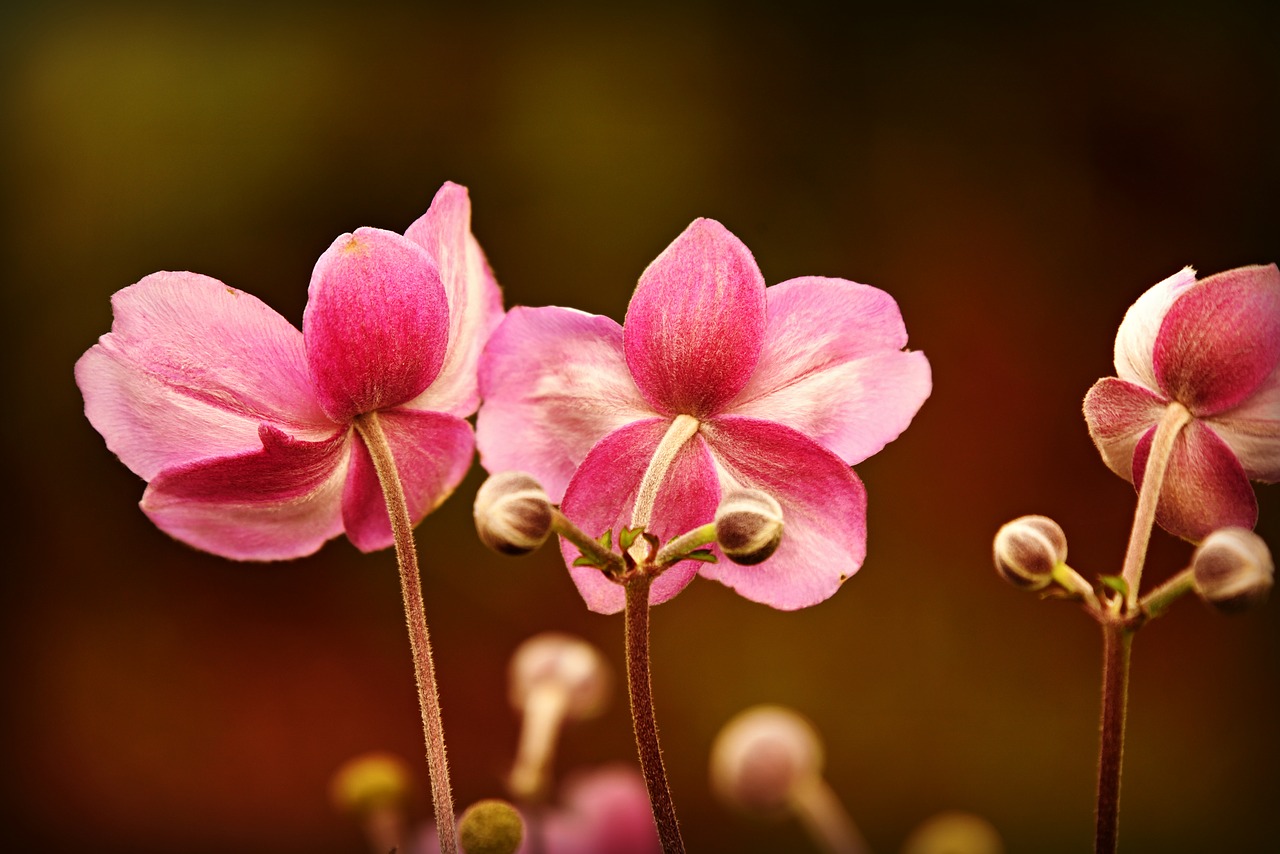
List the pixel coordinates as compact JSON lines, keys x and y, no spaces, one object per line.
{"x":513,"y":514}
{"x":1233,"y":569}
{"x":1027,"y":549}
{"x":748,"y":526}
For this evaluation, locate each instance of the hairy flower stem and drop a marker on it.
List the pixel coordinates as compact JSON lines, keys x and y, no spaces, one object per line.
{"x":375,"y":440}
{"x":640,"y":688}
{"x":1118,"y":625}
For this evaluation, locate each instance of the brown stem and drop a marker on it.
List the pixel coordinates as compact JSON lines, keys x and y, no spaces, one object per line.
{"x":641,"y":691}
{"x":1116,"y":644}
{"x":415,"y":615}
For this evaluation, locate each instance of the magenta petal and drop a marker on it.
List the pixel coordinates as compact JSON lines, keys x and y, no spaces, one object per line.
{"x":281,"y":501}
{"x":475,"y":303}
{"x":602,"y":495}
{"x":1221,"y":339}
{"x":1205,"y":487}
{"x":376,"y":323}
{"x":833,"y":367}
{"x":190,"y":368}
{"x":1136,"y":338}
{"x":1119,"y":414}
{"x":432,"y":452}
{"x":554,"y":382}
{"x":1252,"y":430}
{"x":696,"y":322}
{"x":824,"y":511}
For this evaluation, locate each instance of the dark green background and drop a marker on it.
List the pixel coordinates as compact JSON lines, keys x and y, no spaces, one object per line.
{"x":1014,"y":179}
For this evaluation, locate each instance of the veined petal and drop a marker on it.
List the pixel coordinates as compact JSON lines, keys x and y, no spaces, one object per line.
{"x":376,"y":323}
{"x":1205,"y":488}
{"x":1252,"y":430}
{"x":281,"y":501}
{"x":602,"y":495}
{"x":1119,"y":413}
{"x":1136,"y":339}
{"x":696,"y":322}
{"x":554,"y":382}
{"x":1220,"y":340}
{"x":833,"y":367}
{"x":475,"y":303}
{"x":824,"y":511}
{"x":190,"y":368}
{"x":432,"y":452}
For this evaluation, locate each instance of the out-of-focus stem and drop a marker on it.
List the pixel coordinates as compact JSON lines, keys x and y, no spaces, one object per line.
{"x":544,"y":712}
{"x":825,"y":818}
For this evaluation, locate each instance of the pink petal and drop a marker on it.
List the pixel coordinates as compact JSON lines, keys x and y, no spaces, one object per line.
{"x":432,"y":452}
{"x":1221,"y":339}
{"x":1252,"y":430}
{"x":279,"y":502}
{"x":602,"y":495}
{"x":605,"y":811}
{"x":189,"y":370}
{"x":1205,"y":488}
{"x":833,"y":367}
{"x":1136,"y":339}
{"x":1120,"y":413}
{"x":376,"y":323}
{"x":475,"y":303}
{"x":696,"y":322}
{"x":554,"y":382}
{"x":824,"y":511}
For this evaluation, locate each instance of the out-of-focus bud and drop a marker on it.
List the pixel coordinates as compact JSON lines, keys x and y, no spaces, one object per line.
{"x":954,"y":832}
{"x":1027,"y":550}
{"x":490,"y":827}
{"x":762,"y":756}
{"x":1233,"y":569}
{"x":373,"y":787}
{"x":748,"y":526}
{"x":513,"y":514}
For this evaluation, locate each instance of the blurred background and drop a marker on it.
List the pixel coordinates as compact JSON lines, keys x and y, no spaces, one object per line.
{"x":1014,"y":178}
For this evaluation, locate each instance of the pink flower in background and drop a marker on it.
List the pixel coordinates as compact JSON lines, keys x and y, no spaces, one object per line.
{"x":1212,"y":346}
{"x":242,"y":426}
{"x":728,"y":384}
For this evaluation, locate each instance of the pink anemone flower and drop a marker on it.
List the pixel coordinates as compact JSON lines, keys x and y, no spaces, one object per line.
{"x":1212,"y":346}
{"x":721,"y":382}
{"x":242,"y":426}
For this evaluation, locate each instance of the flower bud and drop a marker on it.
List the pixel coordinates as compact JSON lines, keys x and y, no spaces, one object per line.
{"x":748,"y":526}
{"x":1233,"y":569}
{"x":571,"y":665}
{"x":513,"y":514}
{"x":1027,"y":550}
{"x":954,"y":832}
{"x":762,"y":756}
{"x":369,"y":781}
{"x":490,"y":827}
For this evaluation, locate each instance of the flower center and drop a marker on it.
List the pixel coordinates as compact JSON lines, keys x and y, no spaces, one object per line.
{"x":682,"y":429}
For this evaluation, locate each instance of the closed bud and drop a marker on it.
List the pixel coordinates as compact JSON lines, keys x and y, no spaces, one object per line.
{"x":748,"y":526}
{"x":490,"y":827}
{"x":370,"y":781}
{"x":513,"y":514}
{"x":762,"y":757}
{"x":954,"y":832}
{"x":566,"y":663}
{"x":1233,"y":569}
{"x":1027,"y":550}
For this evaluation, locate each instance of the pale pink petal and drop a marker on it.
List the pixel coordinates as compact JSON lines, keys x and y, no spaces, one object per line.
{"x":376,"y":323}
{"x":824,"y":511}
{"x":475,"y":303}
{"x":696,"y":322}
{"x":432,"y":453}
{"x":602,"y":495}
{"x":281,"y":501}
{"x":1220,"y":340}
{"x":1120,"y":413}
{"x":1204,"y":488}
{"x":554,"y":382}
{"x":190,"y":368}
{"x":1136,"y":339}
{"x":833,"y":367}
{"x":1252,"y":430}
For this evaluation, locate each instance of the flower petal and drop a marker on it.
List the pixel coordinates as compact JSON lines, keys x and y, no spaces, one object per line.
{"x":1205,"y":488}
{"x":602,"y":495}
{"x":1119,"y":413}
{"x":696,"y":322}
{"x":1221,"y":339}
{"x":824,"y":511}
{"x":554,"y":382}
{"x":475,"y":303}
{"x":432,"y":452}
{"x":278,"y":502}
{"x":1252,"y":430}
{"x":190,"y":368}
{"x":1136,"y":339}
{"x":833,"y":368}
{"x":376,"y":323}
